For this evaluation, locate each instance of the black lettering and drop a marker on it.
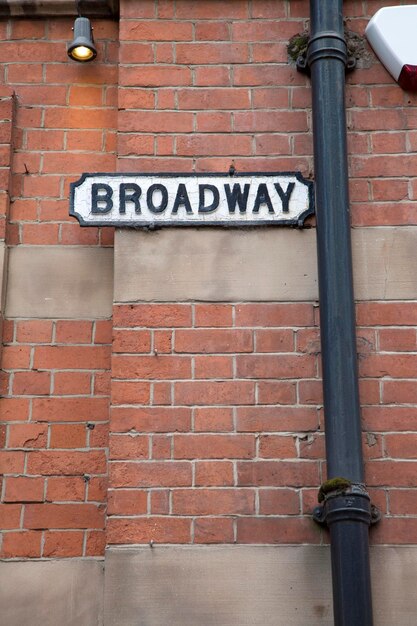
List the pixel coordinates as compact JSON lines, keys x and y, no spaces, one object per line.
{"x":202,"y":208}
{"x":157,"y":208}
{"x":101,"y":194}
{"x":182,"y":199}
{"x":236,"y":197}
{"x":285,"y":195}
{"x":262,"y":197}
{"x":129,"y":192}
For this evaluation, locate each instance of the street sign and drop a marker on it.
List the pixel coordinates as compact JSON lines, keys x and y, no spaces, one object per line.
{"x":156,"y":200}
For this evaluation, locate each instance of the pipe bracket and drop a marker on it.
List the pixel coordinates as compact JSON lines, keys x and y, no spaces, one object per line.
{"x":347,"y":503}
{"x":327,"y":44}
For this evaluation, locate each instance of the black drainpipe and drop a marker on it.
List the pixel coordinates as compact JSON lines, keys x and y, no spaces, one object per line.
{"x":346,"y":507}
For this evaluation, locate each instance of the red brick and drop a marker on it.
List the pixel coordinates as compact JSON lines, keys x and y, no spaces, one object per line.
{"x":103,"y":331}
{"x":213,"y":367}
{"x":277,"y":473}
{"x":162,"y":341}
{"x":152,"y":316}
{"x":274,"y":315}
{"x":161,"y":446}
{"x":83,"y":140}
{"x":68,"y":331}
{"x":40,"y":234}
{"x":203,"y":145}
{"x":212,"y":31}
{"x":213,"y":419}
{"x":11,"y":462}
{"x":97,"y":489}
{"x":133,"y":341}
{"x":212,"y":76}
{"x":279,"y":502}
{"x":271,"y":530}
{"x":148,"y":30}
{"x":312,"y":447}
{"x":132,"y":392}
{"x":387,"y":314}
{"x":27,"y":435}
{"x":399,"y":392}
{"x":67,"y":118}
{"x":99,"y":435}
{"x":390,"y":473}
{"x":95,"y":543}
{"x":24,"y":489}
{"x":389,"y":189}
{"x":127,"y":502}
{"x":51,"y":462}
{"x":213,"y":530}
{"x":308,"y":340}
{"x":213,"y":473}
{"x":34,"y":331}
{"x":369,"y":391}
{"x":397,"y":339}
{"x":14,"y":409}
{"x":162,"y":393}
{"x":217,"y":99}
{"x":150,"y":474}
{"x":310,"y":392}
{"x":72,"y":235}
{"x":151,"y":367}
{"x":212,"y":341}
{"x":15,"y":357}
{"x":25,"y":72}
{"x":276,"y":392}
{"x":151,"y":419}
{"x":216,"y":8}
{"x":145,"y":530}
{"x":10,"y":516}
{"x":129,"y":447}
{"x":214,"y":392}
{"x":160,"y":501}
{"x":166,"y":122}
{"x":398,"y":366}
{"x":63,"y":544}
{"x":214,"y":446}
{"x":273,"y":366}
{"x":213,"y":502}
{"x":68,"y":436}
{"x":8,"y":331}
{"x":31,"y":383}
{"x":72,"y":383}
{"x":383,"y":418}
{"x":276,"y":419}
{"x":277,"y":447}
{"x":25,"y":544}
{"x":213,"y":315}
{"x":401,"y":446}
{"x":395,"y":530}
{"x":70,"y":409}
{"x":69,"y":357}
{"x":39,"y":516}
{"x":65,"y":488}
{"x":403,"y":501}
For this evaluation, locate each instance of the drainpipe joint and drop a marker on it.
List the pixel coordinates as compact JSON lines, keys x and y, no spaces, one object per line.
{"x":349,"y":504}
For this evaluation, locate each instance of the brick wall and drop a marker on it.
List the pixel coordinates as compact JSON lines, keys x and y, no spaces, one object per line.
{"x":55,"y":372}
{"x":216,"y":420}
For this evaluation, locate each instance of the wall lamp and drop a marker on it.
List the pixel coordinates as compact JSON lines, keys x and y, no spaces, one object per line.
{"x":82,"y":47}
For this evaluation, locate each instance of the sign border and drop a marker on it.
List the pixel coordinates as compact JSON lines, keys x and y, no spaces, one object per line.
{"x":145,"y":225}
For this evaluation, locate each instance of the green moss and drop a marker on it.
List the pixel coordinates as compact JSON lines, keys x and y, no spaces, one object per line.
{"x":297,"y":45}
{"x":334,"y":484}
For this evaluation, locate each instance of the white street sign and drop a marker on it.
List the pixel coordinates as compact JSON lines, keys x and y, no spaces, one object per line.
{"x":155,"y":200}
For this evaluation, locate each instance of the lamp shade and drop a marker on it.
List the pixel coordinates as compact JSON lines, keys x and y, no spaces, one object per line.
{"x":82,"y":47}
